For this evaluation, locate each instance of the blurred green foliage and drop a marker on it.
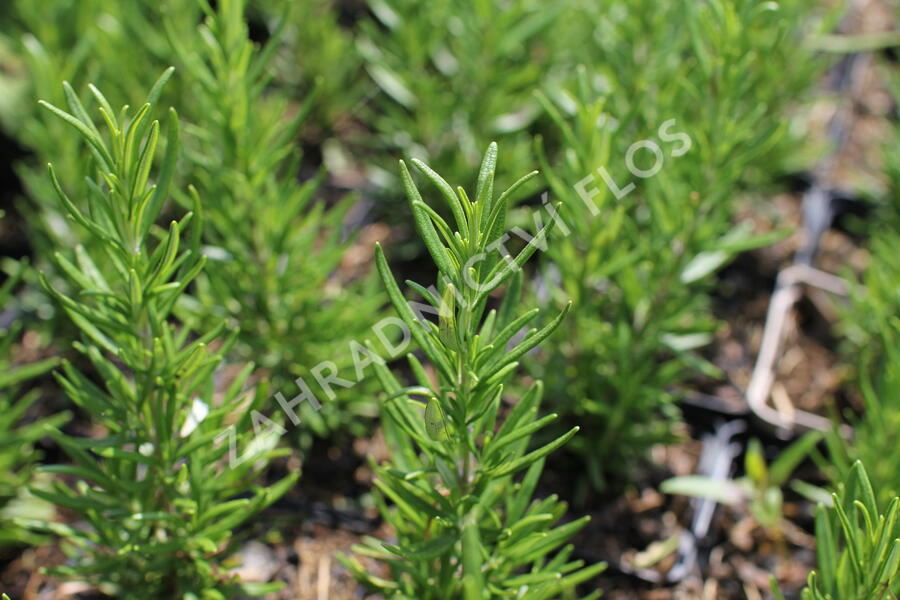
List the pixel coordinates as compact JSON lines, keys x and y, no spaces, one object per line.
{"x":660,"y":132}
{"x":871,"y":324}
{"x":317,"y":60}
{"x":447,"y":77}
{"x":17,"y":437}
{"x":79,"y":42}
{"x":274,"y":248}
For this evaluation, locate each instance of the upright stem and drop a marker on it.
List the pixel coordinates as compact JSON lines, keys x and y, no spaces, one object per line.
{"x":463,"y":385}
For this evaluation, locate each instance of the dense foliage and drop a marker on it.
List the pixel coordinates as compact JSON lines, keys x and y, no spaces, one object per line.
{"x":648,"y":198}
{"x":191,"y":260}
{"x":274,"y":252}
{"x":17,"y":453}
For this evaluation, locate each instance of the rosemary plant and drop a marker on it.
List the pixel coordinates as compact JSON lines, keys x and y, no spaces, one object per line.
{"x":274,"y":248}
{"x":317,"y":60}
{"x":857,"y":545}
{"x":465,"y":527}
{"x":871,"y":323}
{"x":722,"y":68}
{"x":874,"y":320}
{"x":648,"y":184}
{"x":275,"y":244}
{"x":91,"y":40}
{"x":473,"y":65}
{"x":158,"y":497}
{"x":639,"y":267}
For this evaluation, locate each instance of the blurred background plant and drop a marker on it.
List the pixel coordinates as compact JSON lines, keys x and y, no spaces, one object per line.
{"x":651,"y":231}
{"x":871,"y":325}
{"x":274,"y":248}
{"x":729,"y":74}
{"x":17,"y":452}
{"x":452,"y":76}
{"x":317,"y":60}
{"x":79,"y":42}
{"x":761,"y":487}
